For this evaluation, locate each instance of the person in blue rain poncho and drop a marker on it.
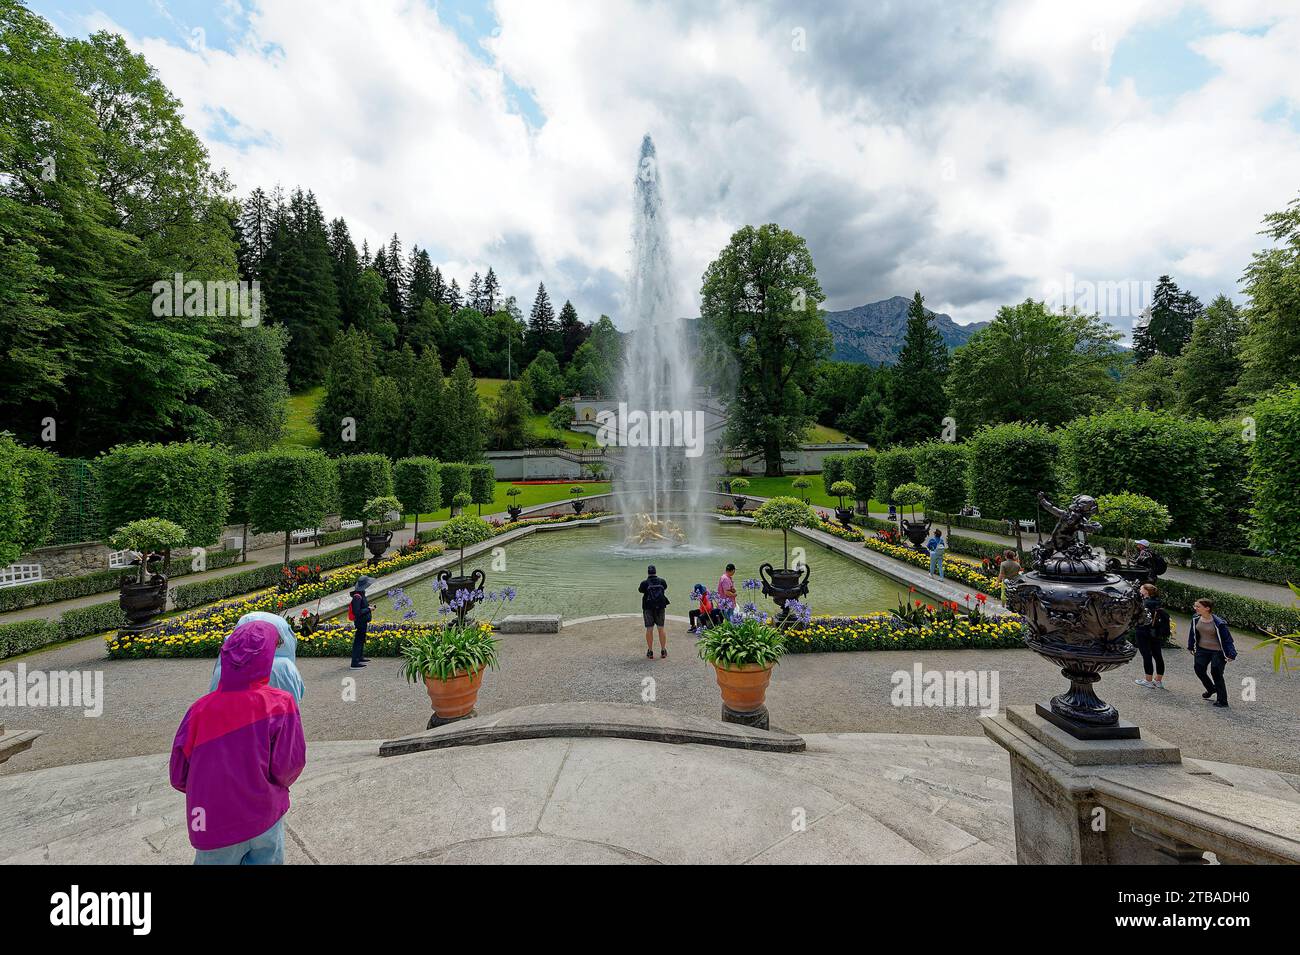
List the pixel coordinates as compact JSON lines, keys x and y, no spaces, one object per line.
{"x":284,"y":670}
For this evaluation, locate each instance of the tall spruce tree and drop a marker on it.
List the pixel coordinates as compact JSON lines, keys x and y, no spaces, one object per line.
{"x":542,"y":332}
{"x":916,"y":399}
{"x":347,"y":271}
{"x":342,"y":415}
{"x":474,"y":294}
{"x":395,"y":278}
{"x":1167,"y":327}
{"x":429,"y":414}
{"x":454,"y":300}
{"x":419,"y":290}
{"x":1211,"y":364}
{"x":462,"y":438}
{"x":491,"y":293}
{"x":301,"y":289}
{"x":572,"y":332}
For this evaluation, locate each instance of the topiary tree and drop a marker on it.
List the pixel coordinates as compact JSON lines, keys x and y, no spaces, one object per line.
{"x":833,"y":470}
{"x":842,"y":489}
{"x":455,"y":480}
{"x":1274,"y":464}
{"x":465,"y":531}
{"x":377,"y":509}
{"x":1008,"y":465}
{"x":241,"y":484}
{"x":893,"y":467}
{"x":291,"y":488}
{"x":148,"y":536}
{"x":29,"y":499}
{"x":860,"y":470}
{"x":1131,"y":515}
{"x":910,"y":495}
{"x":784,"y":514}
{"x":738,"y":487}
{"x":1152,"y":453}
{"x":801,"y":484}
{"x":461,"y":501}
{"x":482,"y":485}
{"x":418,"y":486}
{"x":941,"y":466}
{"x":187,"y":483}
{"x":11,"y":501}
{"x":360,"y":478}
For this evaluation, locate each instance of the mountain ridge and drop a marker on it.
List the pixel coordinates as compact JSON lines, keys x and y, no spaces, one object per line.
{"x":873,"y":333}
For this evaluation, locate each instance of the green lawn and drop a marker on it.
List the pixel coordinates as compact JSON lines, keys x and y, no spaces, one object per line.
{"x":823,"y":434}
{"x":815,"y":492}
{"x":532,"y":494}
{"x":299,"y":428}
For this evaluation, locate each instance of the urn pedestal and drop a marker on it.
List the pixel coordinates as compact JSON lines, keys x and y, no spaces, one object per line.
{"x":141,"y":602}
{"x":916,"y":531}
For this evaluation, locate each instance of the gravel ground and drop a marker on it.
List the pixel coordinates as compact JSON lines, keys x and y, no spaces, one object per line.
{"x":604,"y":660}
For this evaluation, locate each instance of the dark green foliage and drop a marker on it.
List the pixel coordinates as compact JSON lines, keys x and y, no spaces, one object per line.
{"x":417,"y":483}
{"x":1008,"y":465}
{"x":1271,"y":347}
{"x":892,"y":467}
{"x":1169,"y":326}
{"x":360,"y":478}
{"x":860,"y":470}
{"x":1274,"y":465}
{"x":292,"y":488}
{"x":187,"y":483}
{"x":342,"y":417}
{"x":941,"y":466}
{"x":455,"y":478}
{"x":462,"y":438}
{"x":916,"y":399}
{"x":482,"y":484}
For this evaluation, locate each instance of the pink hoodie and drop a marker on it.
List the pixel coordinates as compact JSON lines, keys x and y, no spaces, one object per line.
{"x":240,"y":747}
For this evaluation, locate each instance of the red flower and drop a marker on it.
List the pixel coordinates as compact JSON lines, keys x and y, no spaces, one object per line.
{"x":981,"y":598}
{"x":918,"y":603}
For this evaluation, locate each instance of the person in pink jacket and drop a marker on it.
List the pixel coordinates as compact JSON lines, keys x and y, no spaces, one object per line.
{"x":236,"y":753}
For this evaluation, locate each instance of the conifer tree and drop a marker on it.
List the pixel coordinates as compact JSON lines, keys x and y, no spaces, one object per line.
{"x":916,"y":399}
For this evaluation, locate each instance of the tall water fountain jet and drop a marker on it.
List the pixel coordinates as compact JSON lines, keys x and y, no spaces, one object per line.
{"x":665,"y":455}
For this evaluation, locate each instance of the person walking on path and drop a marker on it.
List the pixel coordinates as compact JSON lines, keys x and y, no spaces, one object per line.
{"x":235,"y":755}
{"x":1152,"y":630}
{"x":1210,"y":643}
{"x":284,"y":670}
{"x":936,"y":545}
{"x":1009,"y":568}
{"x":360,"y":613}
{"x":654,"y":605}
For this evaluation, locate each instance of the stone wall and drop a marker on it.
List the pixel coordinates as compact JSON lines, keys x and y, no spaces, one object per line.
{"x":69,"y":560}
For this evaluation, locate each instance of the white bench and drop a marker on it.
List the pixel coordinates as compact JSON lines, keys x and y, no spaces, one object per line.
{"x":15,"y":575}
{"x":303,"y":535}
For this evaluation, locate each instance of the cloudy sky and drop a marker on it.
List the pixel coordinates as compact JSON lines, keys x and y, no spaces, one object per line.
{"x":981,"y":151}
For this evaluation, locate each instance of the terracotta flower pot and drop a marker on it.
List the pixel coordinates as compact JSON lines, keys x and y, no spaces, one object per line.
{"x":744,"y":689}
{"x":454,"y":697}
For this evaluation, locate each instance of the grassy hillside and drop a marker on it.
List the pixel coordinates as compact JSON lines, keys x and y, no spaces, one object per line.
{"x":299,"y":426}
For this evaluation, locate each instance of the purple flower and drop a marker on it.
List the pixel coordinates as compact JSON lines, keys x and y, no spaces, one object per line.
{"x":752,"y":584}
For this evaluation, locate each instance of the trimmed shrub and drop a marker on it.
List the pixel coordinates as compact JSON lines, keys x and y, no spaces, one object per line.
{"x":455,"y":480}
{"x":187,"y":483}
{"x":1151,"y":453}
{"x":1242,"y":613}
{"x":1132,"y":516}
{"x":482,"y":484}
{"x":27,"y":635}
{"x":41,"y":501}
{"x":860,"y":470}
{"x":893,"y":467}
{"x":96,"y":618}
{"x":1274,"y":464}
{"x":1008,"y":465}
{"x":362,"y":477}
{"x":833,"y":470}
{"x":291,"y":488}
{"x":941,"y":466}
{"x":418,"y":486}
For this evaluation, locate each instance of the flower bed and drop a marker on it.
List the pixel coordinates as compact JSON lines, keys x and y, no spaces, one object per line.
{"x":201,"y":633}
{"x":884,"y":631}
{"x":827,"y":526}
{"x":953,"y":568}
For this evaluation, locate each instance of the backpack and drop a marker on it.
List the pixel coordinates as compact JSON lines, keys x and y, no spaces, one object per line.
{"x":654,"y":595}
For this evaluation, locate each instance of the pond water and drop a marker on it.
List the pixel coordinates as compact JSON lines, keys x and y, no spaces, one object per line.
{"x":584,"y":571}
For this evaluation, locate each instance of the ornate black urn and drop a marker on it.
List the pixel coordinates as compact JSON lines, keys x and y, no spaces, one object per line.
{"x":449,"y":586}
{"x":739,"y":500}
{"x":783,"y":584}
{"x":844,"y":515}
{"x":916,"y":531}
{"x":377,"y":543}
{"x":1077,"y":616}
{"x":578,"y":505}
{"x":515,"y":512}
{"x":141,"y":602}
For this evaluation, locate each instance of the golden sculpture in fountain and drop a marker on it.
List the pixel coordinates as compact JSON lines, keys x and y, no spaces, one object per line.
{"x":647,"y":530}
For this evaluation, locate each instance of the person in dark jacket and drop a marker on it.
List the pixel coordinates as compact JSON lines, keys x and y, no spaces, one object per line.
{"x":1150,"y":638}
{"x":360,"y":614}
{"x":1210,"y":643}
{"x":654,"y":605}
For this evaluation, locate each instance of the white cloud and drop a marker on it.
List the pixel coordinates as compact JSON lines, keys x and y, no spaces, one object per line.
{"x":977,"y":153}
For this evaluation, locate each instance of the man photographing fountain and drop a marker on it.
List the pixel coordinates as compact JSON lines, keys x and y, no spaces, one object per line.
{"x":654,"y":605}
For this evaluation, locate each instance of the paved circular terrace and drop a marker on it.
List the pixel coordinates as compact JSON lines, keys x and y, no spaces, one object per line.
{"x":603,"y":660}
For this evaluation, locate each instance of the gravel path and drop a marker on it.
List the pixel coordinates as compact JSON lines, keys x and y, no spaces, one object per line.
{"x":604,"y":660}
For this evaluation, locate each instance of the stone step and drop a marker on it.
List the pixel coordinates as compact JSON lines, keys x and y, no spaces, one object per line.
{"x":594,"y":720}
{"x":14,"y":742}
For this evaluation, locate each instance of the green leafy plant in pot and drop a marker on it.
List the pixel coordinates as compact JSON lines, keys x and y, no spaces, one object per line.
{"x":513,"y":508}
{"x":738,"y":486}
{"x":143,"y":596}
{"x":785,"y":583}
{"x":743,"y":649}
{"x":450,"y":661}
{"x":843,"y":489}
{"x":459,"y":533}
{"x":909,"y":495}
{"x":459,"y":502}
{"x":376,"y":511}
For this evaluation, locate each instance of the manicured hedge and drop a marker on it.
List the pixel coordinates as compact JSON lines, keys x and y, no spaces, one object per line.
{"x":219,"y":588}
{"x":971,"y":523}
{"x":455,"y":478}
{"x":482,"y":484}
{"x":1274,"y":460}
{"x":1242,"y":613}
{"x":187,"y":482}
{"x":361,"y":478}
{"x":354,"y":533}
{"x":892,"y":468}
{"x":97,"y":582}
{"x":28,"y":635}
{"x":860,"y":469}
